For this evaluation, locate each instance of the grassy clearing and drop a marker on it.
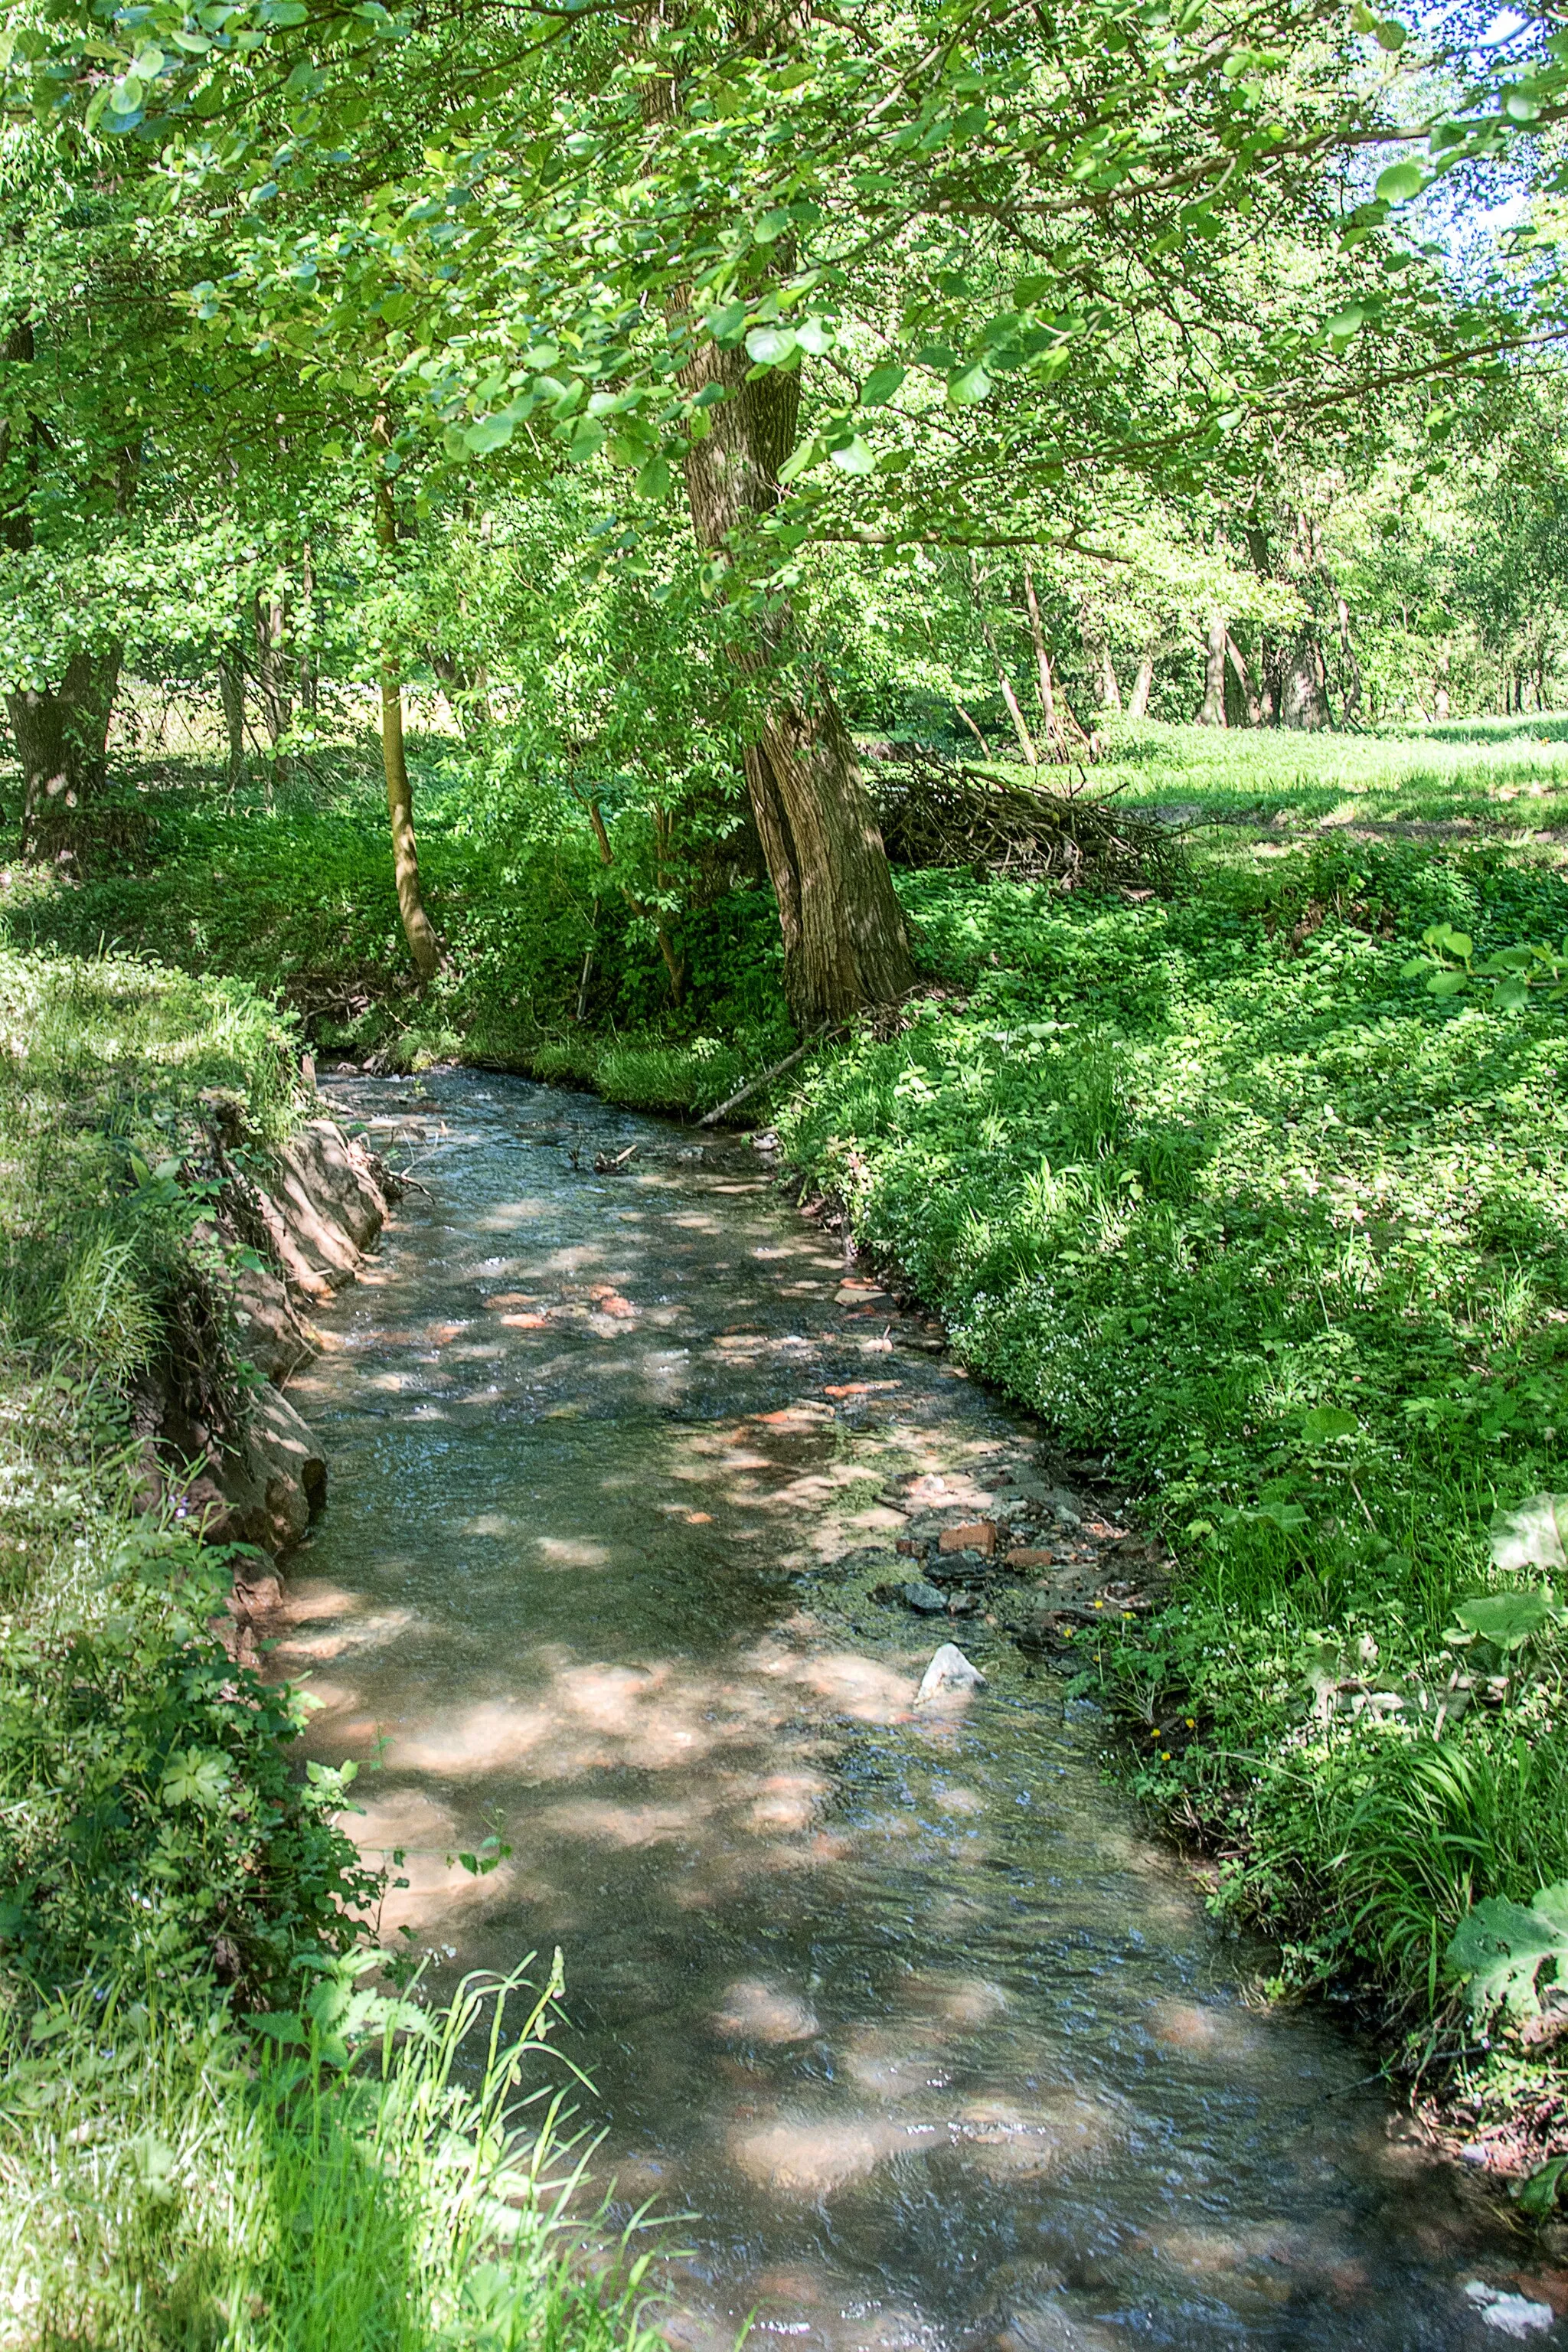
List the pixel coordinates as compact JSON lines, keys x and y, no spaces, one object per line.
{"x":168,"y":2182}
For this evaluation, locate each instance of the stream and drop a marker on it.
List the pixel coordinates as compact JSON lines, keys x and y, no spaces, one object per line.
{"x":906,"y":2006}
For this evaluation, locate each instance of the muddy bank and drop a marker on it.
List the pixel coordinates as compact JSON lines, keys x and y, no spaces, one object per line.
{"x":221,"y":1442}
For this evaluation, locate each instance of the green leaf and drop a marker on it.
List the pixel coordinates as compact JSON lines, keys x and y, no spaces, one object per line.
{"x":1448,"y":983}
{"x":725,"y":325}
{"x":653,"y":482}
{"x":1400,"y":182}
{"x":192,"y":1777}
{"x":1507,"y":1619}
{"x":968,"y":387}
{"x":1344,"y":323}
{"x":815,"y":336}
{"x":881,"y":383}
{"x":283,"y":12}
{"x":770,"y":346}
{"x":1391,"y":35}
{"x":805,"y":455}
{"x":1537,"y":2194}
{"x":489,"y":432}
{"x":771,"y":227}
{"x":154,"y":2162}
{"x":1531,"y":1535}
{"x":1499,"y":1949}
{"x":1328,"y":1422}
{"x":855,"y":457}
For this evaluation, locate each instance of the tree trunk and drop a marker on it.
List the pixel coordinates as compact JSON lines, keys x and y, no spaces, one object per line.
{"x":1352,"y":696}
{"x":417,"y":930}
{"x":1211,"y":711}
{"x":231,"y":691}
{"x":1302,"y":700}
{"x":272,"y":672}
{"x":1142,"y":687}
{"x":1252,"y":701}
{"x":1110,"y":691}
{"x":844,"y":937}
{"x":60,"y":734}
{"x":307,"y":676}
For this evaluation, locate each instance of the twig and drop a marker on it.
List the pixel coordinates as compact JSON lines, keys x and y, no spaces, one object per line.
{"x":777,"y":1071}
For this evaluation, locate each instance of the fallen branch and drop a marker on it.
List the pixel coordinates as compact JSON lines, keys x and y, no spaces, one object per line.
{"x":777,"y":1071}
{"x":937,"y":812}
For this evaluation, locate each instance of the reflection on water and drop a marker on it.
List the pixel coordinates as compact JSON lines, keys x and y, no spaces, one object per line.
{"x":902,"y":2005}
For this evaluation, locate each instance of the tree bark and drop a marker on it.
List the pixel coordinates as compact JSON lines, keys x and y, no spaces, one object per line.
{"x":1252,"y":701}
{"x":844,"y":937}
{"x":60,"y":733}
{"x":1352,"y":697}
{"x":1303,"y":702}
{"x":1211,"y":711}
{"x":272,"y":672}
{"x":231,"y":692}
{"x":1142,"y":687}
{"x":417,"y":928}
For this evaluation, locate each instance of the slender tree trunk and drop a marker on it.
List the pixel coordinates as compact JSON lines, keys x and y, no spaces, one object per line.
{"x":1110,"y":691}
{"x":61,"y":733}
{"x":1252,"y":701}
{"x":271,"y":623}
{"x":308,"y":678}
{"x":1014,"y":711}
{"x":844,"y":937}
{"x":1045,"y":683}
{"x":231,"y":691}
{"x":417,"y":930}
{"x":973,"y":728}
{"x":1143,"y":686}
{"x":1211,"y":711}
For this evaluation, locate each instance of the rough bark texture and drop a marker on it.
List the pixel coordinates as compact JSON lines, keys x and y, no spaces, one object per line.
{"x":1303,"y":696}
{"x":844,"y":937}
{"x":1251,"y":701}
{"x":60,"y":733}
{"x":1142,"y":687}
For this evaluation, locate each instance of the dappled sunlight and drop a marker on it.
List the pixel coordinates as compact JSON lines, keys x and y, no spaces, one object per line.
{"x":813,"y":2160}
{"x":756,"y":2010}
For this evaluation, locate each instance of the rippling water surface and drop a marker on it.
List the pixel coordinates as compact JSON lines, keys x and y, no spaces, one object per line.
{"x":906,"y":2007}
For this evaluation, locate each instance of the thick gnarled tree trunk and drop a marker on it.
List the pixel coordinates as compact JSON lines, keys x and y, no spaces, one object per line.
{"x":60,"y":733}
{"x":844,"y":937}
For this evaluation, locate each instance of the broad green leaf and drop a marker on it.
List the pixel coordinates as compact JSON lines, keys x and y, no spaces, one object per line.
{"x":489,"y":432}
{"x":770,"y":346}
{"x":1400,"y":182}
{"x":1531,"y":1535}
{"x":882,"y":383}
{"x":1508,"y":1619}
{"x":1390,"y":34}
{"x":283,"y":12}
{"x":855,"y":457}
{"x":1448,"y":983}
{"x":1346,"y":322}
{"x":801,"y":458}
{"x":969,"y":387}
{"x":725,"y":325}
{"x":1499,"y":1949}
{"x":771,"y":227}
{"x":653,"y":482}
{"x":1327,"y":1422}
{"x":815,"y":336}
{"x":1537,"y":2194}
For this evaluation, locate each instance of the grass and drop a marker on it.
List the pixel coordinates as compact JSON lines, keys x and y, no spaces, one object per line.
{"x":172,"y":2178}
{"x":1208,"y":1180}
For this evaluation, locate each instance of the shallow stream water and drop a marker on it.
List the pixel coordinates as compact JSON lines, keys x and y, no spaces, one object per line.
{"x":906,"y":2006}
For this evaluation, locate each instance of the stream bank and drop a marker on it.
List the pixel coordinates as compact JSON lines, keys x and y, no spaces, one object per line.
{"x":899,"y":2000}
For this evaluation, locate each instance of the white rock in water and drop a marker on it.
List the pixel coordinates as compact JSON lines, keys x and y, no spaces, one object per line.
{"x":1510,"y":2315}
{"x":949,"y":1670}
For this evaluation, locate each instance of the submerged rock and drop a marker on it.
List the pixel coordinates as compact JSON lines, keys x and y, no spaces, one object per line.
{"x":949,"y":1670}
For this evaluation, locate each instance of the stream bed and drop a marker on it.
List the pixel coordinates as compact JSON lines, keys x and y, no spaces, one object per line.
{"x":906,"y":2006}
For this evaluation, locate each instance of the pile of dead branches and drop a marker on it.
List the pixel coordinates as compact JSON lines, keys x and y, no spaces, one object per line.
{"x":941,"y":812}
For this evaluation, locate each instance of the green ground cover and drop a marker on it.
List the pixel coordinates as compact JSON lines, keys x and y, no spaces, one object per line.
{"x":1209,"y":1180}
{"x":172,"y":2176}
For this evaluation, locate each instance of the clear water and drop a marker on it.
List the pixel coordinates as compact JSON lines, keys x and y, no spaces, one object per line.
{"x":907,"y":2008}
